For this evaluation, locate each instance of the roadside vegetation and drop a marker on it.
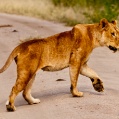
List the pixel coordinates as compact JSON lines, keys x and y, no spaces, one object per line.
{"x":70,"y":12}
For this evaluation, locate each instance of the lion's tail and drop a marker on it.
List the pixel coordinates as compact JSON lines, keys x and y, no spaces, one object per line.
{"x":14,"y":53}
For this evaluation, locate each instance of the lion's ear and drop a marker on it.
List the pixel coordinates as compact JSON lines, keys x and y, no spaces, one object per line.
{"x":114,"y":22}
{"x":103,"y":23}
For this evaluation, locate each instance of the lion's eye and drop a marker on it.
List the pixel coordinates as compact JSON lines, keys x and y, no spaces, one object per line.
{"x":113,"y":34}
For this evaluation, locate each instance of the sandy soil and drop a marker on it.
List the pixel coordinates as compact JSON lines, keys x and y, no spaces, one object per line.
{"x":56,"y":100}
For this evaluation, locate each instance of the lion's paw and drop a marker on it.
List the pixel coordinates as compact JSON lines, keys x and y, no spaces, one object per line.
{"x":98,"y":85}
{"x":34,"y":101}
{"x":78,"y":94}
{"x":9,"y":107}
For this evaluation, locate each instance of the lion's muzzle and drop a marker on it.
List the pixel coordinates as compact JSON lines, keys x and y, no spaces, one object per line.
{"x":113,"y":48}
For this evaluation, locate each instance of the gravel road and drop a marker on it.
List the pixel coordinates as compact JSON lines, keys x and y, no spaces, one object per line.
{"x":56,"y":99}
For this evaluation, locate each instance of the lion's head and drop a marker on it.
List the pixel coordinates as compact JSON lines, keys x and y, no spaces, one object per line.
{"x":110,"y":34}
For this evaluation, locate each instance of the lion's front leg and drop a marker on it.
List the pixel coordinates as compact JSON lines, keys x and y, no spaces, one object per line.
{"x":97,"y":83}
{"x":74,"y":72}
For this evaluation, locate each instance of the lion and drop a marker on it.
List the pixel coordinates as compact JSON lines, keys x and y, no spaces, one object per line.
{"x":67,"y":49}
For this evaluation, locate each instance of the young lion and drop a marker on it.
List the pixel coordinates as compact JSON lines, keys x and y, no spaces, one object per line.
{"x":67,"y":49}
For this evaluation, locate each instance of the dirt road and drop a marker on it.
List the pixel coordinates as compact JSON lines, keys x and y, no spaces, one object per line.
{"x":56,"y":100}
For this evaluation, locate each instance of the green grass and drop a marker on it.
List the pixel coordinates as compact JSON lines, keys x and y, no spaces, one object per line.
{"x":70,"y":12}
{"x":93,"y":10}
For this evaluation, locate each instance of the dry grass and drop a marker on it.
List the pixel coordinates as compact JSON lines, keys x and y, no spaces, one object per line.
{"x":28,"y":7}
{"x":71,"y":15}
{"x":44,"y":9}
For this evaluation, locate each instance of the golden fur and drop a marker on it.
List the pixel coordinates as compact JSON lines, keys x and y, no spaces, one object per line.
{"x":67,"y":49}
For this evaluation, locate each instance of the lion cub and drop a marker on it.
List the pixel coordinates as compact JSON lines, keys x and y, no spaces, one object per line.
{"x":67,"y":49}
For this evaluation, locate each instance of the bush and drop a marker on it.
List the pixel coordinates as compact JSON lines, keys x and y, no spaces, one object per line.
{"x":69,"y":3}
{"x":93,"y":10}
{"x":108,"y":10}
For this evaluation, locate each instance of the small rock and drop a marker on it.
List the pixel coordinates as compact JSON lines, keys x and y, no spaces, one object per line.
{"x":60,"y":80}
{"x":14,"y":31}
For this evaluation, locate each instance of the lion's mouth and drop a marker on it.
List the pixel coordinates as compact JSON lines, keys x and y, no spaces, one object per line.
{"x":113,"y":48}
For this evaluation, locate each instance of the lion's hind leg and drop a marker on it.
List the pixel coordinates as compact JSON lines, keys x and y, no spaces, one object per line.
{"x":23,"y":79}
{"x":27,"y":92}
{"x":21,"y":82}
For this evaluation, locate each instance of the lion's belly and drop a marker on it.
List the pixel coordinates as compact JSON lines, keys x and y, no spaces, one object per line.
{"x":56,"y":66}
